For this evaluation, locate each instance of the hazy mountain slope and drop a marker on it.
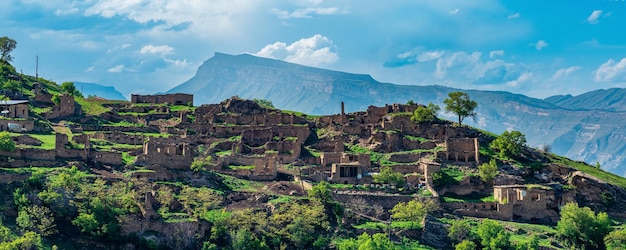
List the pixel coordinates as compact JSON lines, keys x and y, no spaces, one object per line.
{"x":582,"y":134}
{"x":107,"y":92}
{"x":603,"y":99}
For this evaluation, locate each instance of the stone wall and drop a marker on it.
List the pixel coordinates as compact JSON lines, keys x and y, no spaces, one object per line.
{"x":19,"y":110}
{"x":265,"y":168}
{"x":115,"y":137}
{"x":166,"y":152}
{"x":462,"y":149}
{"x":387,"y":201}
{"x":173,"y":99}
{"x":65,"y":108}
{"x":29,"y":125}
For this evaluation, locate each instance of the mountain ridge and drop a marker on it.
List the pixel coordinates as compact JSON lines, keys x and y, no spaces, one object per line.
{"x":582,"y":134}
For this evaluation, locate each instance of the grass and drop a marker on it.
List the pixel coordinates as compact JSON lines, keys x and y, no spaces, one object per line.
{"x":473,"y":199}
{"x":598,"y":173}
{"x":282,"y":199}
{"x":394,"y":225}
{"x":416,"y":138}
{"x":234,"y":167}
{"x":237,"y":184}
{"x":91,"y":107}
{"x":48,"y":141}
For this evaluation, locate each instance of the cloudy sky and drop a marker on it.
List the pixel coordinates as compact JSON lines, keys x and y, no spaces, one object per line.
{"x":537,"y":48}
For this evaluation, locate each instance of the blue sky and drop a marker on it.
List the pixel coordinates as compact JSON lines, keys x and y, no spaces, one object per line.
{"x":536,"y":48}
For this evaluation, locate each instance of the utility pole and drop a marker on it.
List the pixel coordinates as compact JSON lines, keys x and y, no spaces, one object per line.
{"x":37,"y":67}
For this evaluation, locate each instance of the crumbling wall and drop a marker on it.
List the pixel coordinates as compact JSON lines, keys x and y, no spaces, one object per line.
{"x":174,"y":99}
{"x":462,"y":149}
{"x":65,"y":108}
{"x":29,"y":125}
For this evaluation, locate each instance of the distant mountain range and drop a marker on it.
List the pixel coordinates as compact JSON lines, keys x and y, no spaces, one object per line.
{"x":94,"y":89}
{"x":590,"y":127}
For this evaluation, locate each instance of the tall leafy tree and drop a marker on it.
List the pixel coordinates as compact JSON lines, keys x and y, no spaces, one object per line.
{"x":6,"y":143}
{"x":493,"y":236}
{"x":413,"y":211}
{"x":509,"y":144}
{"x":580,"y":227}
{"x":616,"y":240}
{"x":487,"y":171}
{"x":460,"y":104}
{"x":7,"y":45}
{"x":425,"y":114}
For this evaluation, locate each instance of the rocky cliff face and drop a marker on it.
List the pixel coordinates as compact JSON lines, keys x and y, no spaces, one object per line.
{"x":594,"y":134}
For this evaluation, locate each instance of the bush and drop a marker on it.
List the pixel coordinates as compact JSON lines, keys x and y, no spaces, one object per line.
{"x":488,"y":171}
{"x":509,"y":144}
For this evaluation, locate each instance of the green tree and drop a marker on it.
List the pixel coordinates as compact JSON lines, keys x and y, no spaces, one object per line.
{"x":12,"y":85}
{"x":300,"y":223}
{"x":460,"y":230}
{"x":487,"y":171}
{"x":509,"y":144}
{"x":6,"y":142}
{"x":425,"y":114}
{"x":264,"y":103}
{"x":465,"y":245}
{"x":492,"y":235}
{"x":580,"y":227}
{"x":7,"y":45}
{"x":413,"y":211}
{"x":38,"y":219}
{"x":387,"y":175}
{"x":198,"y":201}
{"x":615,"y":240}
{"x":70,"y":88}
{"x":245,"y":240}
{"x":460,"y":104}
{"x":321,"y":192}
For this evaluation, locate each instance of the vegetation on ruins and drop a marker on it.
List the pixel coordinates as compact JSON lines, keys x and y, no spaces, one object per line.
{"x":70,"y":88}
{"x":388,"y":176}
{"x":580,"y":227}
{"x":460,"y":104}
{"x":509,"y":144}
{"x":6,"y":143}
{"x":424,"y":114}
{"x":487,"y":171}
{"x":413,"y":211}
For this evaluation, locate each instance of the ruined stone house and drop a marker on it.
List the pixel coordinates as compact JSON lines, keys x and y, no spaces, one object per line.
{"x":173,"y":99}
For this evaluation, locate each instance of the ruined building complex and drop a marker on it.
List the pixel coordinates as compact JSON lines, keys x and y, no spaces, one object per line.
{"x":240,"y":138}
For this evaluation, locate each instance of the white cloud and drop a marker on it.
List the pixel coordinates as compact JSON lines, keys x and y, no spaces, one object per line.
{"x":429,"y":55}
{"x":90,"y":69}
{"x":117,"y":69}
{"x":161,"y":50}
{"x":522,"y":78}
{"x":565,"y":72}
{"x":307,"y":12}
{"x":204,"y":17}
{"x":612,"y":71}
{"x":60,"y":12}
{"x":454,"y":11}
{"x":514,"y":16}
{"x":495,"y":53}
{"x":595,"y":15}
{"x":539,"y":45}
{"x":313,"y":51}
{"x":457,"y":59}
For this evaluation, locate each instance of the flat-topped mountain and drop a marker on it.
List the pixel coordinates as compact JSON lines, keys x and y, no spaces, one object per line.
{"x":586,"y":127}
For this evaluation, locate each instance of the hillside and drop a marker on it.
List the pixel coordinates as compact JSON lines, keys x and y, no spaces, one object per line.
{"x":94,"y":89}
{"x":602,"y":99}
{"x":586,"y":127}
